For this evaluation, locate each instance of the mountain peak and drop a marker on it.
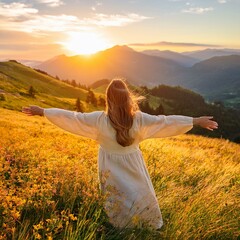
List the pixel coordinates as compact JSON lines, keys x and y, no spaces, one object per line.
{"x":121,"y":48}
{"x":56,"y":57}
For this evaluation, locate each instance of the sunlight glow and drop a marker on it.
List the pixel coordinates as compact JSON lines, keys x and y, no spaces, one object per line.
{"x":85,"y":43}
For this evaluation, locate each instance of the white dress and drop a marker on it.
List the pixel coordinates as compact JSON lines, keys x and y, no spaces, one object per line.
{"x":124,"y":179}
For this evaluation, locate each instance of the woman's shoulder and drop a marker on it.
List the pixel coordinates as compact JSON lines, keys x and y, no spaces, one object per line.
{"x":143,"y":118}
{"x":90,"y":116}
{"x":138,"y":113}
{"x":100,"y":115}
{"x":138,"y":116}
{"x":142,"y":115}
{"x":95,"y":113}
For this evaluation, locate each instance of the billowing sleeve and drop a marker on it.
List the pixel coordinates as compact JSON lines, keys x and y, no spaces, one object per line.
{"x":83,"y":124}
{"x":163,"y":126}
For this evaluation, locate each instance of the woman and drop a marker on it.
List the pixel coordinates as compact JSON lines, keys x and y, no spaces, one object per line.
{"x":123,"y":176}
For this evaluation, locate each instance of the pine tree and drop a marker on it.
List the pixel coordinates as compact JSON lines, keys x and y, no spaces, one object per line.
{"x":31,"y":91}
{"x":159,"y":110}
{"x":73,"y":83}
{"x":2,"y":97}
{"x":91,"y":98}
{"x":79,"y":107}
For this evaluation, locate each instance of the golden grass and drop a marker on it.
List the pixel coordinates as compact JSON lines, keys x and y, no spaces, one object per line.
{"x":49,"y":185}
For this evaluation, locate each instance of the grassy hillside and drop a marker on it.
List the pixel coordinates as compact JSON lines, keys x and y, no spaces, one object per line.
{"x":16,"y":79}
{"x":49,"y":185}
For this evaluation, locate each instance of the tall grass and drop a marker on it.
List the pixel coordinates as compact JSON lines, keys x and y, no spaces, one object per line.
{"x":49,"y":185}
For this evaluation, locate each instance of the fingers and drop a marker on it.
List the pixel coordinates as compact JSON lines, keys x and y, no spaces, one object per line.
{"x":212,"y":125}
{"x":27,"y":111}
{"x":207,"y":123}
{"x":216,"y":124}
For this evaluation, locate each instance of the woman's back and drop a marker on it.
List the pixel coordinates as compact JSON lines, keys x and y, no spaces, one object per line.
{"x":107,"y":135}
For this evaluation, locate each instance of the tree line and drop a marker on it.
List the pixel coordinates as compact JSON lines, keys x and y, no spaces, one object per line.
{"x":180,"y":101}
{"x":92,"y":99}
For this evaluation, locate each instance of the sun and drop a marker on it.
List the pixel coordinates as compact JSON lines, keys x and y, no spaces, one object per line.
{"x":85,"y":43}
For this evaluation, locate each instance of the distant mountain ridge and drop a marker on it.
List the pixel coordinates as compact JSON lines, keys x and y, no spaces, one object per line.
{"x":209,"y":53}
{"x":117,"y":61}
{"x":216,"y":78}
{"x":188,"y":59}
{"x":179,"y":58}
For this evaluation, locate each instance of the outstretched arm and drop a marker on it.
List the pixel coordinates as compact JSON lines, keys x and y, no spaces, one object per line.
{"x":83,"y":124}
{"x":173,"y":125}
{"x":205,"y":122}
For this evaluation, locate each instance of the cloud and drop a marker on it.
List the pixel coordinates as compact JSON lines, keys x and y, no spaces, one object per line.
{"x":45,"y":24}
{"x":117,"y":20}
{"x":175,"y":44}
{"x":37,"y":23}
{"x":16,"y":9}
{"x":197,"y":10}
{"x":23,"y":18}
{"x":51,"y":23}
{"x":222,"y":1}
{"x":52,"y":3}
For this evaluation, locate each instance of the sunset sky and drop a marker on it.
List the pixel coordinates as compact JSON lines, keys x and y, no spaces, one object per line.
{"x":41,"y":29}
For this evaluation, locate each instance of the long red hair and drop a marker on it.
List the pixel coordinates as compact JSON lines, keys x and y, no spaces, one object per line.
{"x":121,"y":109}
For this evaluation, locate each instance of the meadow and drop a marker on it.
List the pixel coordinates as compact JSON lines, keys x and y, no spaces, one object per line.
{"x":49,"y":185}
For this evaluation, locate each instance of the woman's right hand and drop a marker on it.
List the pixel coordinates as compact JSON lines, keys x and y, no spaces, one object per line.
{"x":33,"y":110}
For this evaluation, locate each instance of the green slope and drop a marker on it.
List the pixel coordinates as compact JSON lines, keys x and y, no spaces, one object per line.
{"x":15,"y":80}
